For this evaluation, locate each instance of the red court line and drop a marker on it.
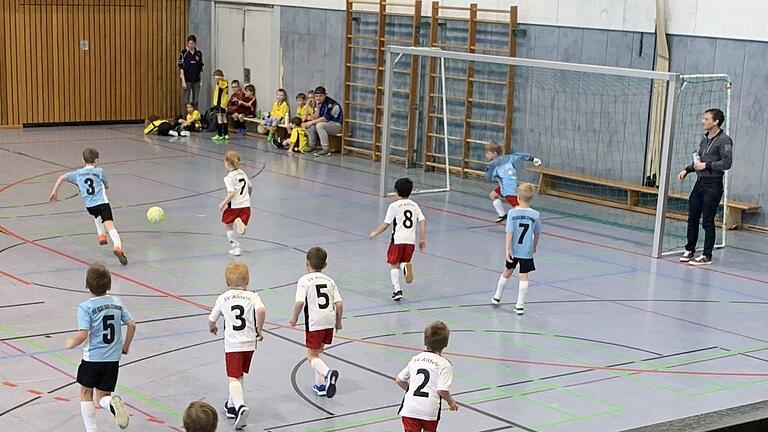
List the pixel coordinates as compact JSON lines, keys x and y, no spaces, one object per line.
{"x":9,"y":384}
{"x":16,"y":278}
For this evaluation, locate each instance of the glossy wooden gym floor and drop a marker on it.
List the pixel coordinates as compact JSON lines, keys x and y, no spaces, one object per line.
{"x":611,"y":339}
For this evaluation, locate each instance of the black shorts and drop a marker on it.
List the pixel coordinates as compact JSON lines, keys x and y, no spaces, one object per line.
{"x":99,"y":375}
{"x":103,"y":210}
{"x":526,"y":264}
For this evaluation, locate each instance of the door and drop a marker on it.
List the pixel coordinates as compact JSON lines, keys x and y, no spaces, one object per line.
{"x":229,"y":41}
{"x":262,"y":39}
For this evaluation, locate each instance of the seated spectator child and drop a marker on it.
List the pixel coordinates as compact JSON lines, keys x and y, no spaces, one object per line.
{"x":298,"y":140}
{"x":280,"y":110}
{"x":245,"y":108}
{"x":303,"y":110}
{"x":192,"y":122}
{"x":160,"y":126}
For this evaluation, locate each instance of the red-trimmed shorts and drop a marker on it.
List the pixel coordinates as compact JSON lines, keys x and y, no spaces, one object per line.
{"x":316,"y":338}
{"x":400,"y":253}
{"x":411,"y":424}
{"x":230,"y":214}
{"x":511,"y":199}
{"x":238,"y":363}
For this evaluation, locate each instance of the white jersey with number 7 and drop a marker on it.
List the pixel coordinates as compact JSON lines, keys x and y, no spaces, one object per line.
{"x":404,"y":216}
{"x":237,"y":181}
{"x":319,"y":294}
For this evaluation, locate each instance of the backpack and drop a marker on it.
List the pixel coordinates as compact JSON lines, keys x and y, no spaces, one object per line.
{"x":208,"y":120}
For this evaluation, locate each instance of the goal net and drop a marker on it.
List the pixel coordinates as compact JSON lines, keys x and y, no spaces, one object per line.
{"x":607,"y":167}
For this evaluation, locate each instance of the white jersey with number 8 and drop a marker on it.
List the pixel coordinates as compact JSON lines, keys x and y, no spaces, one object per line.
{"x":319,"y":294}
{"x":426,"y":374}
{"x":239,"y":310}
{"x":237,"y":181}
{"x":404,"y":216}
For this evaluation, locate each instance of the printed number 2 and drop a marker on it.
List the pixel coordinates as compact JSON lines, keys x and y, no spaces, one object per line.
{"x":525,"y":228}
{"x":418,"y":392}
{"x":408,"y":222}
{"x":242,"y":188}
{"x":91,"y":189}
{"x":107,"y":323}
{"x":239,"y":312}
{"x":322,"y":295}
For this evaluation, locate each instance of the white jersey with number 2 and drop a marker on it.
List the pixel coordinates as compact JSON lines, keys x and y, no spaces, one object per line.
{"x":237,"y":181}
{"x":426,"y":374}
{"x":404,"y":216}
{"x":319,"y":294}
{"x":239,"y":310}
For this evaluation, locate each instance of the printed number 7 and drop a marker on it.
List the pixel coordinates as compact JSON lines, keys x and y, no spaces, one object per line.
{"x":525,"y":228}
{"x":242,"y":188}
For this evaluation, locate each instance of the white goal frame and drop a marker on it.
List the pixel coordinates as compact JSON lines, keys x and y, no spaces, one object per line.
{"x":394,"y":53}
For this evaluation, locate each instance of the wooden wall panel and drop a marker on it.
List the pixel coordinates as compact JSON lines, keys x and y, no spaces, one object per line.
{"x":128,"y":72}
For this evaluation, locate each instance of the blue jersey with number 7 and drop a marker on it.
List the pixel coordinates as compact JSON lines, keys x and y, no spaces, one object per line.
{"x":102,"y":317}
{"x":92,"y":184}
{"x":523,"y":223}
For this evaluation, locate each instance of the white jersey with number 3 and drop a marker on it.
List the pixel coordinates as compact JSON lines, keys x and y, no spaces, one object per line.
{"x":426,"y":374}
{"x":239,"y":310}
{"x":404,"y":216}
{"x":319,"y":294}
{"x":237,"y":181}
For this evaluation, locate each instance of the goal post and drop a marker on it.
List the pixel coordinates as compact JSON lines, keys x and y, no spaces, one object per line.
{"x":589,"y":124}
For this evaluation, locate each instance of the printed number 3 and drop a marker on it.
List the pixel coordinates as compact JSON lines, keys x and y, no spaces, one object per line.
{"x":91,"y":189}
{"x":239,"y":312}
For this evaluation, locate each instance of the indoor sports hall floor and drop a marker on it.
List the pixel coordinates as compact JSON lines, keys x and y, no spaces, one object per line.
{"x":611,"y":339}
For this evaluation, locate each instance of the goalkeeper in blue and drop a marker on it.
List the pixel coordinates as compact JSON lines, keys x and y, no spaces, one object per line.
{"x":503,"y":169}
{"x":523,"y":231}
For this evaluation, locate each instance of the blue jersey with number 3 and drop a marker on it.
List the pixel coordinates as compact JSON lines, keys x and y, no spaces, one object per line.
{"x":91,"y":181}
{"x":102,"y":317}
{"x":523,"y":223}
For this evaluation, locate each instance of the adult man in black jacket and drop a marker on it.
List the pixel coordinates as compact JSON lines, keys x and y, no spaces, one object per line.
{"x":710,"y":162}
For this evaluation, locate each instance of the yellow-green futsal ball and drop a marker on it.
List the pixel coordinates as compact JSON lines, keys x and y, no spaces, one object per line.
{"x":155,"y":214}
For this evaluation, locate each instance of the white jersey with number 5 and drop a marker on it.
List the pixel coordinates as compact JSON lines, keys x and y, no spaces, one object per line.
{"x":239,"y":310}
{"x":319,"y":294}
{"x":404,"y":216}
{"x":237,"y":181}
{"x":426,"y":374}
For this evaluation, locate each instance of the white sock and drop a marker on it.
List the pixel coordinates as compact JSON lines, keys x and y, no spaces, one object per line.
{"x":232,"y":237}
{"x":319,"y":379}
{"x":115,"y":238}
{"x":521,"y":293}
{"x":500,"y":287}
{"x":499,"y":206}
{"x":319,"y":366}
{"x":236,"y":393}
{"x":99,"y":226}
{"x":88,"y":411}
{"x":394,"y":275}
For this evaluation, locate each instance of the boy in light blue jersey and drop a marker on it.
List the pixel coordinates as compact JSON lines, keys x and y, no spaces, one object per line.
{"x":98,"y":321}
{"x":503,"y":169}
{"x":523,"y":230}
{"x":93,"y":185}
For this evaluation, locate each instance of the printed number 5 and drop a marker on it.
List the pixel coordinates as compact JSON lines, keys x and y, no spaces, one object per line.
{"x":107,"y":322}
{"x":322,"y":296}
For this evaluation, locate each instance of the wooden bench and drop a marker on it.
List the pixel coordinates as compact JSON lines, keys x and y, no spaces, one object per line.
{"x":334,"y":141}
{"x":548,"y":185}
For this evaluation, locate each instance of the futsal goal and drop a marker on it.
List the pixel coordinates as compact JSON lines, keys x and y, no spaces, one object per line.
{"x":611,"y":139}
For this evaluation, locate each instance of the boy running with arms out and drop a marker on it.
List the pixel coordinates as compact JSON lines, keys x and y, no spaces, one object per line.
{"x":503,"y":169}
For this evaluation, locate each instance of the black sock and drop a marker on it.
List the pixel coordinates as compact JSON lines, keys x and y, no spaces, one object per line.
{"x":224,"y":128}
{"x":218,"y":130}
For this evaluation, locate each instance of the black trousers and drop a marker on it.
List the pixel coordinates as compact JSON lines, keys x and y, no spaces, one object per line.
{"x":702,"y":205}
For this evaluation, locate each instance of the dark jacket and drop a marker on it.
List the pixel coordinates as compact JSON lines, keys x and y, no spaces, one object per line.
{"x":717,"y":153}
{"x":191,"y":64}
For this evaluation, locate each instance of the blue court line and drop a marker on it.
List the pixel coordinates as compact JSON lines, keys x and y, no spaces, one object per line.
{"x":60,"y":350}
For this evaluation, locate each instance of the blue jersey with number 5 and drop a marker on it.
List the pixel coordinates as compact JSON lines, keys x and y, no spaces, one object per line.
{"x":102,"y":317}
{"x":91,"y":181}
{"x":523,"y":223}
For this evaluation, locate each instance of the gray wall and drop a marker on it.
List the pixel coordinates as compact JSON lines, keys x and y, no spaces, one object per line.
{"x":200,"y":26}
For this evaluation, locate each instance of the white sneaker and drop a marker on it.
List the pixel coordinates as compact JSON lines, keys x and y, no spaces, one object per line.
{"x":121,"y":415}
{"x":519,"y":309}
{"x":701,"y":260}
{"x":686,"y":256}
{"x":173,"y":133}
{"x":184,"y":133}
{"x":495,"y":300}
{"x":239,"y":226}
{"x":235,"y":251}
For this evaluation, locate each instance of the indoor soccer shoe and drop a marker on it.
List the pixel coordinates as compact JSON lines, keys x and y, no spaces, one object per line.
{"x":242,"y":417}
{"x":495,"y":300}
{"x":217,"y":138}
{"x":397,"y":295}
{"x":239,"y":226}
{"x":225,"y":137}
{"x":121,"y":256}
{"x":319,"y":389}
{"x":184,"y":133}
{"x":330,"y":383}
{"x":519,"y":309}
{"x":701,"y":260}
{"x":236,"y":251}
{"x":686,"y":256}
{"x":229,"y":410}
{"x":121,"y":415}
{"x":102,"y":239}
{"x":501,"y":219}
{"x":408,"y":272}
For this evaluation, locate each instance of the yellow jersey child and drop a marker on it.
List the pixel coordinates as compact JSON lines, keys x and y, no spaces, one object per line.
{"x":220,"y":100}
